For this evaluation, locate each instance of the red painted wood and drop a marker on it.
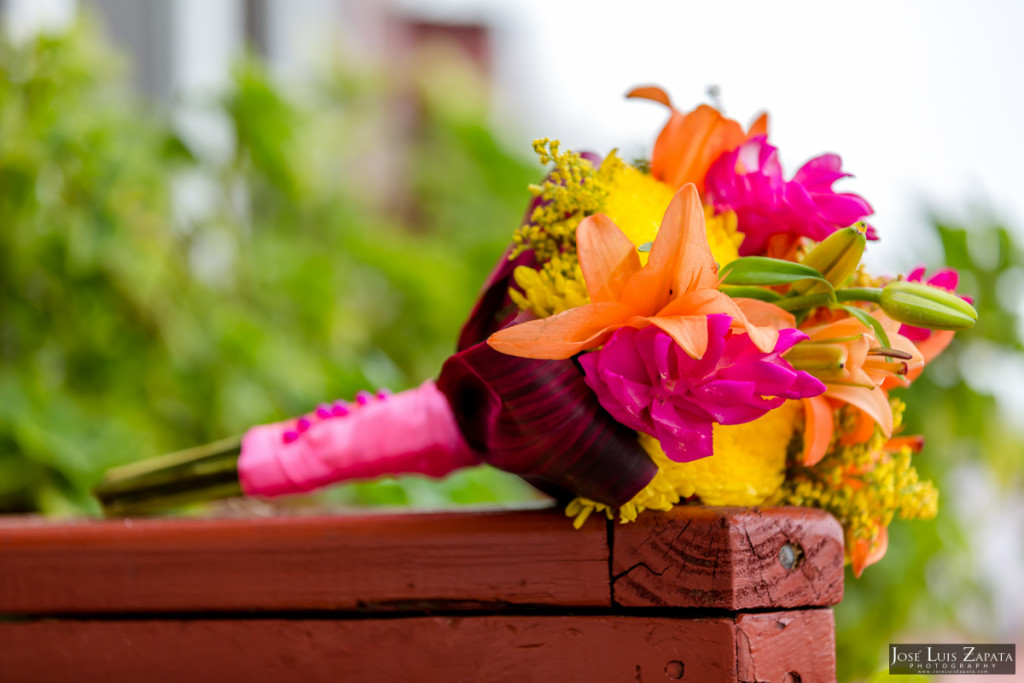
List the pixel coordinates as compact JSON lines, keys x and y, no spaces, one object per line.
{"x":791,"y":647}
{"x":765,"y":648}
{"x":299,"y":563}
{"x":442,"y":649}
{"x":354,"y":568}
{"x":728,"y":558}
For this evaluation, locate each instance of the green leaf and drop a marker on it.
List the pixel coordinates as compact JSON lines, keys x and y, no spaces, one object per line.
{"x":869,"y":320}
{"x":759,"y":293}
{"x":764,"y":271}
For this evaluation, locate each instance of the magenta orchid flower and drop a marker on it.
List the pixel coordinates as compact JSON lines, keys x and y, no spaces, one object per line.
{"x":650,"y":384}
{"x":748,"y":180}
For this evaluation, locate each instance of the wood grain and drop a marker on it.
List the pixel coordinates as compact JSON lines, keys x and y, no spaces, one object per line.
{"x":692,"y":557}
{"x":493,"y":597}
{"x":448,"y":649}
{"x":791,"y":647}
{"x":761,"y":648}
{"x":728,"y":558}
{"x":300,"y":563}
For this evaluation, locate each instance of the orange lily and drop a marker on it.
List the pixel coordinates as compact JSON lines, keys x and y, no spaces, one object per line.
{"x":865,"y":553}
{"x":676,"y":290}
{"x":859,"y":377}
{"x":690,"y":143}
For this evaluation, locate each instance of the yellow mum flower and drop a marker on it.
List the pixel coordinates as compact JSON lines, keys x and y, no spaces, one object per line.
{"x":636,"y":203}
{"x":748,"y":468}
{"x":556,"y":287}
{"x":634,"y":200}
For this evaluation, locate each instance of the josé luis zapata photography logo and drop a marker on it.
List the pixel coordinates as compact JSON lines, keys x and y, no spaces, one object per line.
{"x":952,"y":659}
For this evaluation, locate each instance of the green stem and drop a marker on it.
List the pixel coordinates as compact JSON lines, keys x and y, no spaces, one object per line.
{"x":759,"y":293}
{"x":798,"y":303}
{"x":871,"y":294}
{"x":808,"y":301}
{"x":195,"y":475}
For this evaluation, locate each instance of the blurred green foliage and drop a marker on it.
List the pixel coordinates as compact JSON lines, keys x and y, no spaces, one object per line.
{"x":930,"y":580}
{"x":130,"y":326}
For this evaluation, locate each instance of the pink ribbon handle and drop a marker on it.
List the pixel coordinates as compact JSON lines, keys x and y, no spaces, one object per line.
{"x":413,"y":432}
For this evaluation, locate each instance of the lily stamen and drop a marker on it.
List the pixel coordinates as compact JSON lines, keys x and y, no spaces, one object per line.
{"x":890,"y":353}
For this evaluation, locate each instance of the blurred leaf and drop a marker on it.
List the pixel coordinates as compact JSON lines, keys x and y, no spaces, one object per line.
{"x":127,"y":330}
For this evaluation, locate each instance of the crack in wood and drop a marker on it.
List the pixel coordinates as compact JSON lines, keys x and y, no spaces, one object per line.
{"x":743,"y":643}
{"x":763,"y":584}
{"x":708,"y":557}
{"x":637,"y":565}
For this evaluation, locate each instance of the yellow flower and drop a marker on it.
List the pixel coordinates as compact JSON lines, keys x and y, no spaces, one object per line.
{"x":637,"y":201}
{"x":634,"y":200}
{"x":748,"y":468}
{"x":556,"y":287}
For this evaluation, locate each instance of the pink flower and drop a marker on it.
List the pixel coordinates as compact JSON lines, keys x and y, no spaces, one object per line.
{"x":749,"y":181}
{"x":650,"y":384}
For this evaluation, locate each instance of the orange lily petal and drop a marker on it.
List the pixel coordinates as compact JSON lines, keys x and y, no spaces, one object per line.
{"x":607,"y":257}
{"x":865,"y":553}
{"x":758,"y":127}
{"x":680,"y":259}
{"x":864,"y":430}
{"x":935,"y":344}
{"x":690,"y":143}
{"x":818,"y":429}
{"x":915,"y":442}
{"x":689,"y":331}
{"x":563,"y":335}
{"x":675,"y":290}
{"x":928,"y":349}
{"x":708,"y":301}
{"x":873,"y":401}
{"x":653,"y":93}
{"x":712,"y":301}
{"x":687,"y":257}
{"x":765,"y":314}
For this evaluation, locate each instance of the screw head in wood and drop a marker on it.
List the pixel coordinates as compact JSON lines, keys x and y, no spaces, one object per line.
{"x":791,"y":555}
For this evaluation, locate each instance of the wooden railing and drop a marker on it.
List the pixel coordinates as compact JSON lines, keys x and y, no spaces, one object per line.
{"x":698,"y":594}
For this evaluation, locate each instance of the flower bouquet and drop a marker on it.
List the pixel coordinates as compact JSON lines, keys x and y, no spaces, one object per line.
{"x":689,"y":328}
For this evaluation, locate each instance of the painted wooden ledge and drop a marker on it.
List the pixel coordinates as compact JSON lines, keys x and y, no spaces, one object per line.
{"x":698,"y":594}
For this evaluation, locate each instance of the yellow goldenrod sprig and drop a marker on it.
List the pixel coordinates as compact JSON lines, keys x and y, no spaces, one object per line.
{"x":865,"y":486}
{"x":572,"y":191}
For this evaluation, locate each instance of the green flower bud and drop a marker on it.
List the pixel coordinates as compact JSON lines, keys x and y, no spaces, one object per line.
{"x":921,"y":305}
{"x":813,"y":357}
{"x":836,"y":257}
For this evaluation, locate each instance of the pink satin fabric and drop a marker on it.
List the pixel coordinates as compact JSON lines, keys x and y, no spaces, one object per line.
{"x":413,"y":432}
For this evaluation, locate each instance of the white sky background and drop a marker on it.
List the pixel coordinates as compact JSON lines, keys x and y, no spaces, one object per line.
{"x":923,"y":100}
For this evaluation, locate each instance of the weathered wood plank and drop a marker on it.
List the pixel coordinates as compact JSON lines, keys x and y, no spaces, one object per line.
{"x":781,"y":647}
{"x":796,"y":646}
{"x":300,"y":563}
{"x":692,"y":557}
{"x":472,"y":649}
{"x":729,"y":558}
